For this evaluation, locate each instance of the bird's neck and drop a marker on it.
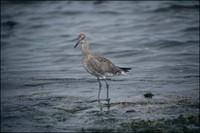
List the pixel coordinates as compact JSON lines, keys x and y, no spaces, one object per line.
{"x":85,"y":48}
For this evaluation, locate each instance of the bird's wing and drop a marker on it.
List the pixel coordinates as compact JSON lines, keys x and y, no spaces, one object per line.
{"x":101,"y":65}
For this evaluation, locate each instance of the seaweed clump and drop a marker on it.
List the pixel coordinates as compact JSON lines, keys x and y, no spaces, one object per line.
{"x":182,"y":123}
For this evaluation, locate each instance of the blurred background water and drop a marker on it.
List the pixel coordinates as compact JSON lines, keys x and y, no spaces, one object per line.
{"x":44,"y":86}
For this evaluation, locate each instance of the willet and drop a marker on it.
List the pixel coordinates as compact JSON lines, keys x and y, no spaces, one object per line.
{"x":98,"y":66}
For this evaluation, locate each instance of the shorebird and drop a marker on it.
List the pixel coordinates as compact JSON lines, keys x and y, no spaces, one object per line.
{"x":98,"y":66}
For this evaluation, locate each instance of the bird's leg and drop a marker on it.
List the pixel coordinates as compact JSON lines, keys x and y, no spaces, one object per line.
{"x":108,"y":99}
{"x":101,"y":108}
{"x":99,"y":89}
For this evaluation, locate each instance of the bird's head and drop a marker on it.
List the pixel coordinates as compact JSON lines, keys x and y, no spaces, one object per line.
{"x":81,"y":38}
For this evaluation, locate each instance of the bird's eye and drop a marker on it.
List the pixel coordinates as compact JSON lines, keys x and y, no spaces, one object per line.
{"x":82,"y":37}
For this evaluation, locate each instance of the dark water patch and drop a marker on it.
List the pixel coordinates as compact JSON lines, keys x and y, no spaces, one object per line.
{"x":9,"y":24}
{"x":190,"y":76}
{"x":184,"y":77}
{"x":4,"y":44}
{"x":36,"y":84}
{"x":71,"y":12}
{"x":109,"y":13}
{"x":191,"y":29}
{"x":10,"y":116}
{"x":7,"y":30}
{"x":19,"y":1}
{"x":98,"y":2}
{"x":43,"y":104}
{"x":177,"y":7}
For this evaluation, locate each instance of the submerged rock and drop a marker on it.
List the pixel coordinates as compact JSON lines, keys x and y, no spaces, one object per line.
{"x":148,"y":95}
{"x":130,"y":111}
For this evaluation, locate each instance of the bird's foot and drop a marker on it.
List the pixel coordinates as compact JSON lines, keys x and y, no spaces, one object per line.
{"x":98,"y":100}
{"x":108,"y":99}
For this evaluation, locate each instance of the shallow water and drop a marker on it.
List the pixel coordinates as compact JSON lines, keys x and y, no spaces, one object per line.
{"x":44,"y":86}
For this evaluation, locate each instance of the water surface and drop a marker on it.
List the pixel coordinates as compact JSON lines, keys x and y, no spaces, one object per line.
{"x":44,"y":86}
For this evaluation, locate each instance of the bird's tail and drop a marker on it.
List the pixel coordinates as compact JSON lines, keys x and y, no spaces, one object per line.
{"x":125,"y":69}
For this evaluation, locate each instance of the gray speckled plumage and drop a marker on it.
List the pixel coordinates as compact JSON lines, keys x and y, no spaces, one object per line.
{"x":98,"y":65}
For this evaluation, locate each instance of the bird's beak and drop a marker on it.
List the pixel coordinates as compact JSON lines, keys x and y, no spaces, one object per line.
{"x":77,"y":44}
